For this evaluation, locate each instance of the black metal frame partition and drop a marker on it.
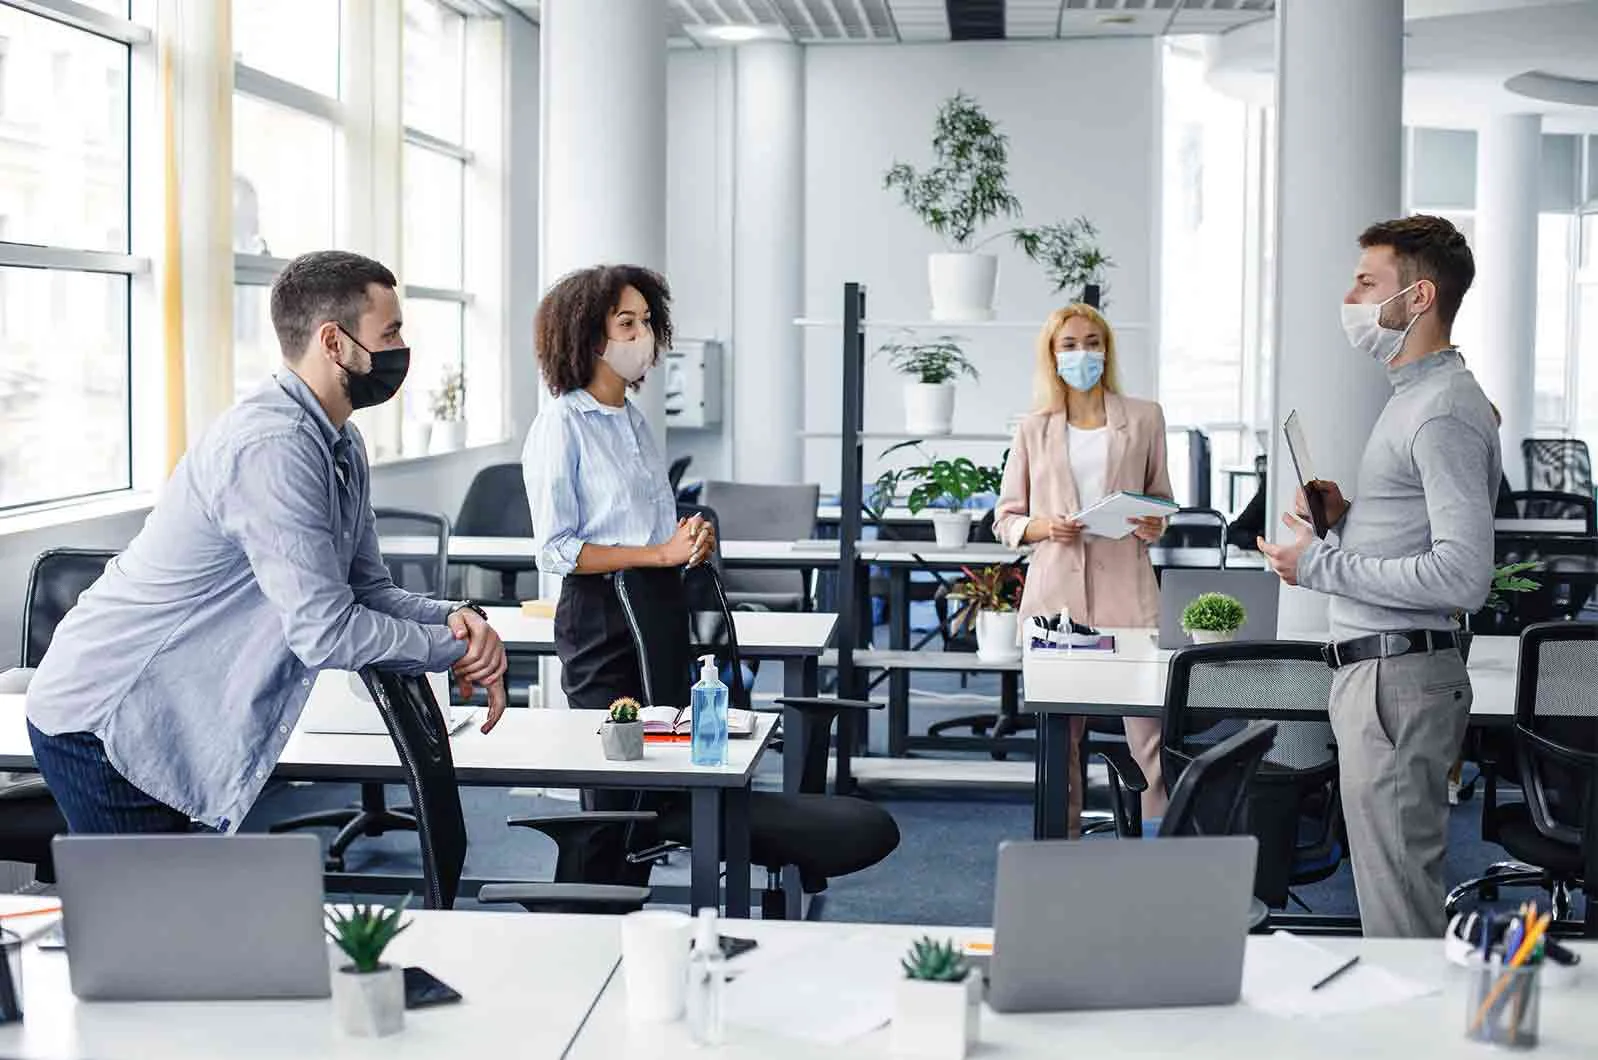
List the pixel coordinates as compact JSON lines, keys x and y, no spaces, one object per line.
{"x":851,"y":584}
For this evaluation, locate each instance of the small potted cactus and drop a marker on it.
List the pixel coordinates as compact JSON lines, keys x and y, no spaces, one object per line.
{"x":938,"y":1004}
{"x":622,"y":735}
{"x":1212,"y":618}
{"x":368,"y":995}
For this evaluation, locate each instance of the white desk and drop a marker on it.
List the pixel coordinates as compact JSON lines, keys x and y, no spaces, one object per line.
{"x":531,"y":748}
{"x":1430,"y":1027}
{"x":527,"y":980}
{"x":1541,"y":526}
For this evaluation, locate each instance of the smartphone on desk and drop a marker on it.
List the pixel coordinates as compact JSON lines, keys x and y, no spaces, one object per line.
{"x":424,"y":989}
{"x":732,"y":947}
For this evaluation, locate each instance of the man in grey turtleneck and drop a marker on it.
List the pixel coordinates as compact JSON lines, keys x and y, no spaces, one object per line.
{"x":1411,"y":549}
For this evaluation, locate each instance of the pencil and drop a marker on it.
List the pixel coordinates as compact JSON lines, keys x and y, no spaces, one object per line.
{"x":30,"y":912}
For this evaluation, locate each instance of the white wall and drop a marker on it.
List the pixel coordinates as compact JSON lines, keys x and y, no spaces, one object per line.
{"x":1084,"y":127}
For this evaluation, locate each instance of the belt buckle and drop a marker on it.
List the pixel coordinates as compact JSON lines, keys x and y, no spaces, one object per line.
{"x":1331,"y":656}
{"x":1395,"y":644}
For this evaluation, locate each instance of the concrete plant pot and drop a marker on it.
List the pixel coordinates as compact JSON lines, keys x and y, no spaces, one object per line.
{"x":370,"y":1004}
{"x":622,"y":741}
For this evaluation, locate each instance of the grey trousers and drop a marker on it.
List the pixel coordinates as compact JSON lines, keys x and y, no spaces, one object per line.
{"x":1399,"y":724}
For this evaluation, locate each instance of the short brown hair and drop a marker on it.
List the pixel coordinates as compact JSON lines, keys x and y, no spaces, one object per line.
{"x":569,"y":330}
{"x":1428,"y":248}
{"x":318,"y":287}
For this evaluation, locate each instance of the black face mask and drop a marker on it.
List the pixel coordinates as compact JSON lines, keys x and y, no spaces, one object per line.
{"x":389,"y":368}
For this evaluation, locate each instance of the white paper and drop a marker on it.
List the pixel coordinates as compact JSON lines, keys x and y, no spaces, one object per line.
{"x":1108,"y":518}
{"x":829,"y":992}
{"x":1280,"y":971}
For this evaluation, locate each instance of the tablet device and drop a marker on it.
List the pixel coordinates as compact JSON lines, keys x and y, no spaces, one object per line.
{"x":1298,"y":450}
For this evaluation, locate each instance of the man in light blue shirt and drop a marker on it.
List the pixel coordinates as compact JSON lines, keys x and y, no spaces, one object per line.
{"x":170,"y":690}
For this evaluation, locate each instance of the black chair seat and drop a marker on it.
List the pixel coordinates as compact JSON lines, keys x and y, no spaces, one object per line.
{"x":824,"y":836}
{"x":1518,"y":834}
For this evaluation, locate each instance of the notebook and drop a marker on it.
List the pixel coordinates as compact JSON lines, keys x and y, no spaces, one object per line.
{"x":1108,"y":518}
{"x":679,"y":721}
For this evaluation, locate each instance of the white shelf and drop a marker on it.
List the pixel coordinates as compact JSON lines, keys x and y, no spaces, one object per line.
{"x":950,"y":325}
{"x":901,"y":436}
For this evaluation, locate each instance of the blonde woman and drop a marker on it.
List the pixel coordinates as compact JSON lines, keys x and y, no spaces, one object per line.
{"x":1085,"y":441}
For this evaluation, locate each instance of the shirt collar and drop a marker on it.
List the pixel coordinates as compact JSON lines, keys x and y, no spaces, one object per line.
{"x":295,"y":388}
{"x":587,"y":402}
{"x":1408,"y":375}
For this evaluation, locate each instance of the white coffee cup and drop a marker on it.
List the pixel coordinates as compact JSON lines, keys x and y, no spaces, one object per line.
{"x":654,"y":958}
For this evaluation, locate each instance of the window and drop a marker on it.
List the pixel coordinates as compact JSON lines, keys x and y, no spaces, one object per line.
{"x":65,"y":271}
{"x":1555,"y":269}
{"x":291,"y":40}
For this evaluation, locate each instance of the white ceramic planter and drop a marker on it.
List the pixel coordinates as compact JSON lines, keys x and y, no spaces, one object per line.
{"x":446,"y":437}
{"x":1211,"y":636}
{"x":962,"y":286}
{"x":416,"y":437}
{"x":928,"y":408}
{"x":622,"y":741}
{"x":939,"y":1021}
{"x":370,"y":1005}
{"x":998,"y":636}
{"x":951,"y":529}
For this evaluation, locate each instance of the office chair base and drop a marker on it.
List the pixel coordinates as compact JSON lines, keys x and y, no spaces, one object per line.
{"x":988,"y":726}
{"x":1505,"y":874}
{"x":352,"y":823}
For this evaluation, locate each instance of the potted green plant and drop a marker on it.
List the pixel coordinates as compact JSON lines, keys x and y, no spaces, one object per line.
{"x":449,"y":409}
{"x":937,"y":1007}
{"x":942,"y":484}
{"x":1070,"y":255}
{"x":1509,"y":578}
{"x":1211,"y":618}
{"x":368,"y":994}
{"x":931,"y":367}
{"x":991,"y":596}
{"x":622,"y":734}
{"x":966,"y":186}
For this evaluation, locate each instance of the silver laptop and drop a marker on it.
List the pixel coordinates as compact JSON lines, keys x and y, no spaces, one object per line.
{"x":193,"y":917}
{"x":1259,"y":591}
{"x":1128,"y":924}
{"x":340,"y":705}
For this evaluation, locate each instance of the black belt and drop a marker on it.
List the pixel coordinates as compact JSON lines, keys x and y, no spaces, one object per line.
{"x":1386,"y":646}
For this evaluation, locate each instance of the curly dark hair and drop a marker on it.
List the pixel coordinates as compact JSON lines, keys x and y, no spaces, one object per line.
{"x":1428,"y":248}
{"x":569,"y":330}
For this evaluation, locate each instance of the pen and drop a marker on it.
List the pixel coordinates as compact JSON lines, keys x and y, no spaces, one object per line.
{"x":1339,"y":970}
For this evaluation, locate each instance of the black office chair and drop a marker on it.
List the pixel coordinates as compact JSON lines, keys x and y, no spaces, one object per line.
{"x":674,"y":473}
{"x":821,"y":835}
{"x":1199,"y":534}
{"x":1553,"y":504}
{"x":1211,"y":796}
{"x":1553,"y":831}
{"x":427,"y":574}
{"x":29,"y":816}
{"x":496,"y":506}
{"x":1562,"y":464}
{"x":422,"y":739}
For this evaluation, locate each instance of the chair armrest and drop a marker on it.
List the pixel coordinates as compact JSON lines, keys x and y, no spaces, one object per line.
{"x":1123,"y":768}
{"x":15,"y":679}
{"x":557,"y":822}
{"x":592,"y":897}
{"x":819,"y":703}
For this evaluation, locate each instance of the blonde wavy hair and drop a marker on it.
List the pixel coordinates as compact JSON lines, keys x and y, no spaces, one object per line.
{"x":1048,"y":389}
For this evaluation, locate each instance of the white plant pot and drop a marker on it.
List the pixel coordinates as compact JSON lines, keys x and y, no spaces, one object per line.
{"x":998,"y":636}
{"x":416,"y":437}
{"x":928,"y":408}
{"x":962,"y":286}
{"x":370,"y":1005}
{"x":1212,"y":636}
{"x":446,"y":437}
{"x":940,"y":1021}
{"x":951,"y":529}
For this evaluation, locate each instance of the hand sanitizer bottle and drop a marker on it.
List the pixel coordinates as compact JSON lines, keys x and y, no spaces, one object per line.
{"x":709,"y":746}
{"x":707,"y":979}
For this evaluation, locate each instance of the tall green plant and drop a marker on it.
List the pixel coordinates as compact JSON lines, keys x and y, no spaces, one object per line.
{"x":968,"y":183}
{"x":1068,"y":251}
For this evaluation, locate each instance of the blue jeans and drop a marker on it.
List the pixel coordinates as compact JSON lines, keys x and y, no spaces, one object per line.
{"x":93,"y":796}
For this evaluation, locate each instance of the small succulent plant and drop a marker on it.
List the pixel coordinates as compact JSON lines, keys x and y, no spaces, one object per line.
{"x":935,"y":962}
{"x":624,"y":710}
{"x":365,"y":931}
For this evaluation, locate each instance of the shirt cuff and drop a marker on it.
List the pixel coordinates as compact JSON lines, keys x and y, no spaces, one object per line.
{"x":1305,"y":572}
{"x":441,"y":609}
{"x":559,"y":556}
{"x":444,"y":650}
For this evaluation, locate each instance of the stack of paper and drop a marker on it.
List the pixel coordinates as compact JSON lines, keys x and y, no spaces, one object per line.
{"x":1281,"y":970}
{"x":829,"y":992}
{"x":1109,"y":517}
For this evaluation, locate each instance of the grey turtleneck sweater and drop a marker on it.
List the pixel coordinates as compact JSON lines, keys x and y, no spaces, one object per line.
{"x":1417,"y":543}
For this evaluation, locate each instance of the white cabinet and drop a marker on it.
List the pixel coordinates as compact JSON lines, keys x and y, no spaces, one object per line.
{"x":693,"y":384}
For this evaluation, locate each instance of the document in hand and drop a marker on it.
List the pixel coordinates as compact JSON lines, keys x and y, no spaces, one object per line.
{"x":1108,"y":518}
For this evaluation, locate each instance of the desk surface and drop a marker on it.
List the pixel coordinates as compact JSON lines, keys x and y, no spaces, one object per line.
{"x":1131,"y":680}
{"x":527,"y":981}
{"x":1541,"y":526}
{"x":553,"y":748}
{"x":762,"y":634}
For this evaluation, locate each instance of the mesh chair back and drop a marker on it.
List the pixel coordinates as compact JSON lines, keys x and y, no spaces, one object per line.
{"x":421,"y":738}
{"x":669,"y":635}
{"x":751,"y":512}
{"x":1194,"y":538}
{"x":1211,"y":796}
{"x":1562,"y":464}
{"x":1552,"y":504}
{"x":427,"y":574}
{"x":1556,"y":728}
{"x":59,"y":576}
{"x":496,"y":504}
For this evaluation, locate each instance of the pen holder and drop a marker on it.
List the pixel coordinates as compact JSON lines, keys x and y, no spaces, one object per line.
{"x":1504,"y":1005}
{"x":10,"y":977}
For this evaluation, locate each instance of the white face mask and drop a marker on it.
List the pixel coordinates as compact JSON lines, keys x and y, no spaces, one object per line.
{"x":1363,"y":327}
{"x":631,"y":360}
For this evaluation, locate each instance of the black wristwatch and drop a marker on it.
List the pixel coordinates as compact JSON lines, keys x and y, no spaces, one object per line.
{"x":467,"y":605}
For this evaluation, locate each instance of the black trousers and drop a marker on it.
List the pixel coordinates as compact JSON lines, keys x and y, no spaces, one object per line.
{"x":599,"y":663}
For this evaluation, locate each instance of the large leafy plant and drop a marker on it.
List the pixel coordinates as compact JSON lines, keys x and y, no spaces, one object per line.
{"x":938,"y":360}
{"x":967,"y":184}
{"x":937,"y":483}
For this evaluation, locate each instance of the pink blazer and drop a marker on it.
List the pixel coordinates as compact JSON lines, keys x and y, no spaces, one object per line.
{"x":1105,"y":583}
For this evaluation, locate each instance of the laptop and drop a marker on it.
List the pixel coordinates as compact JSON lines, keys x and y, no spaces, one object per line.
{"x":1132,"y":924}
{"x":340,"y":705}
{"x":1259,"y":591}
{"x":193,"y":917}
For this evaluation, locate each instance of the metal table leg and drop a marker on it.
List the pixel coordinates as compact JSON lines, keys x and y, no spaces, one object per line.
{"x":705,"y":855}
{"x":1052,"y":784}
{"x":735,"y":806}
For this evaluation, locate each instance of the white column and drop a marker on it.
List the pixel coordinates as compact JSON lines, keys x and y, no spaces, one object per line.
{"x":604,"y":145}
{"x":767,"y":359}
{"x":1339,"y":107}
{"x":1508,"y":157}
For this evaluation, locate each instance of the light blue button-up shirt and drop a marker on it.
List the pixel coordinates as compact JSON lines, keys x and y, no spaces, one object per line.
{"x":594,"y":477}
{"x":193,"y":655}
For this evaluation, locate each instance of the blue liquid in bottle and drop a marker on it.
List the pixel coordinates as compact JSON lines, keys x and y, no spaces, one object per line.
{"x":709,"y":705}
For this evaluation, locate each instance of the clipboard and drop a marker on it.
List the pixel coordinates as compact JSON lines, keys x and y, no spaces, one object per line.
{"x":1298,"y":450}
